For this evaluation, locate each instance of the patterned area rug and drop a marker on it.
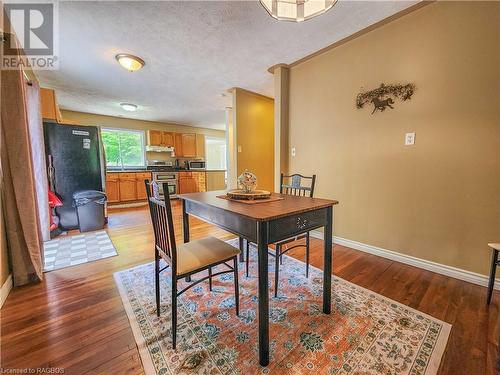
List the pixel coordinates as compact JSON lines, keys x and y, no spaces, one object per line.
{"x":366,"y":333}
{"x":65,"y":251}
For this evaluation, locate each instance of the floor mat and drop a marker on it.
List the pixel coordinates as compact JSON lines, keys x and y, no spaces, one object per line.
{"x":69,"y":251}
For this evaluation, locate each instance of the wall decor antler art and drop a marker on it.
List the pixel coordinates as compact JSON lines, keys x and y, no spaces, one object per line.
{"x":381,"y":97}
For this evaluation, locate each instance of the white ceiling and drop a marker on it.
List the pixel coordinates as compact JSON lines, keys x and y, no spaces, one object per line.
{"x":194,"y":51}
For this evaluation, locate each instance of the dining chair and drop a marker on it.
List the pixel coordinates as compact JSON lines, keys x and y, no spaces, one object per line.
{"x":291,"y":185}
{"x":185,"y":259}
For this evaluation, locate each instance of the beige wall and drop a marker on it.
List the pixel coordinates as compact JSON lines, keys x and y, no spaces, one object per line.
{"x":254,"y":123}
{"x":439,"y":199}
{"x":120,"y":122}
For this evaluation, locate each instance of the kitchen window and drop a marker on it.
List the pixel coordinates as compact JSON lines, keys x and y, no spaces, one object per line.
{"x":124,"y":149}
{"x":215,"y":153}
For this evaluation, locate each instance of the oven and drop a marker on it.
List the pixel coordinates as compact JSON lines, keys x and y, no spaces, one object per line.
{"x":168,"y":178}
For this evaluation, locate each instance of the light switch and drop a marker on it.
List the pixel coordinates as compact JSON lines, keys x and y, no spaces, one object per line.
{"x":294,"y":152}
{"x":409,"y":139}
{"x":239,"y":148}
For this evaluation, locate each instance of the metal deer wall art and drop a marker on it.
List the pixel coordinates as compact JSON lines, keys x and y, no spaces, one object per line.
{"x":383,"y":96}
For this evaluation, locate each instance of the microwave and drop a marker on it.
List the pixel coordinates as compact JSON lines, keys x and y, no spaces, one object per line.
{"x":196,"y":164}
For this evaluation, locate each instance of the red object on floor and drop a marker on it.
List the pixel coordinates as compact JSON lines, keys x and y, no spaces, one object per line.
{"x":54,"y":201}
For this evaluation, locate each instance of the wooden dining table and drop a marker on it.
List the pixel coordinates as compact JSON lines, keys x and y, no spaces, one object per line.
{"x":264,"y":223}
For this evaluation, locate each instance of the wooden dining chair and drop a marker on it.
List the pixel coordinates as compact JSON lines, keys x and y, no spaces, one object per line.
{"x":291,"y":185}
{"x":185,"y":259}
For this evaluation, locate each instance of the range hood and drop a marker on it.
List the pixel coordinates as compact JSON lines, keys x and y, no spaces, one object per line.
{"x":159,"y":149}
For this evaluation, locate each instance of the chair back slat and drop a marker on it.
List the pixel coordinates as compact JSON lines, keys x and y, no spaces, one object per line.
{"x":163,"y":223}
{"x":292,"y":185}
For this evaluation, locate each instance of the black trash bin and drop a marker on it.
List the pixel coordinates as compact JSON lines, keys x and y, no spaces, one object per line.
{"x":89,"y":206}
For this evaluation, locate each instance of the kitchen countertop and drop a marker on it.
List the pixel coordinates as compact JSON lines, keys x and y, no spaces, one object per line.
{"x":127,"y":171}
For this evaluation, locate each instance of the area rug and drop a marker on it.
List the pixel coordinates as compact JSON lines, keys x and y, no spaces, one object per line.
{"x":66,"y":251}
{"x":366,"y":333}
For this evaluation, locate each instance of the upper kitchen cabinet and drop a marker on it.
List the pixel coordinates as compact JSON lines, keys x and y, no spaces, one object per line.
{"x":200,"y":146}
{"x":160,"y":138}
{"x":50,"y":108}
{"x":178,"y":145}
{"x":154,"y":137}
{"x":189,"y":145}
{"x":168,"y":139}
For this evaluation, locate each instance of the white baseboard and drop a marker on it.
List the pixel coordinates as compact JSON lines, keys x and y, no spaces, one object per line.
{"x":6,"y":287}
{"x":457,"y":273}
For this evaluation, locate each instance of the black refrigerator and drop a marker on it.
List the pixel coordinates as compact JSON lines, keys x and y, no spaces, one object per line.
{"x":75,"y":159}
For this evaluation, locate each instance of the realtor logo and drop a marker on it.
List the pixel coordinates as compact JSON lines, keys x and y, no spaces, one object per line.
{"x":34,"y":25}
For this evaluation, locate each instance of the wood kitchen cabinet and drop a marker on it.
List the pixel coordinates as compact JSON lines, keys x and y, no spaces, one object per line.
{"x":160,"y":138}
{"x":126,"y":186}
{"x":112,"y":188}
{"x":178,"y":145}
{"x":200,"y":146}
{"x":50,"y":108}
{"x":189,"y":145}
{"x":167,"y":139}
{"x":192,"y":182}
{"x":154,"y":137}
{"x":140,"y":186}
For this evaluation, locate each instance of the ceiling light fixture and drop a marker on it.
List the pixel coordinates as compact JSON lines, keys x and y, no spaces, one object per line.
{"x":128,"y":107}
{"x":130,"y":62}
{"x":296,"y":10}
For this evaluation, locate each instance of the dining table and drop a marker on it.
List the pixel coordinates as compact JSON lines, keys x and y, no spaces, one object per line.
{"x":264,"y":222}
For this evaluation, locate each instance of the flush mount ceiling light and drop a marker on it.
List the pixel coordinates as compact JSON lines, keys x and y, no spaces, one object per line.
{"x":296,"y":10}
{"x":130,"y":62}
{"x":128,"y":107}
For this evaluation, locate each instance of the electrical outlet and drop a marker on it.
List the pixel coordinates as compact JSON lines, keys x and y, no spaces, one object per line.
{"x":294,"y":152}
{"x":239,"y":148}
{"x":409,"y":139}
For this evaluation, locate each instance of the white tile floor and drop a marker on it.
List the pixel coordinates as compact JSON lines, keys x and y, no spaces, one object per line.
{"x":65,"y":251}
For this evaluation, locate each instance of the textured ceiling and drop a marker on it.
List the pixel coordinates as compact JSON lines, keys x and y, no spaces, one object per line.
{"x":194,"y":51}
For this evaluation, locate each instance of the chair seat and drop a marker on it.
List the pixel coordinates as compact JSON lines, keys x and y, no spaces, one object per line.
{"x":200,"y":254}
{"x":495,"y":246}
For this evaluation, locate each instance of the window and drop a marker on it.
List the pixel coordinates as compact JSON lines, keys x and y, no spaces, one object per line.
{"x":123,"y":148}
{"x":215,"y":150}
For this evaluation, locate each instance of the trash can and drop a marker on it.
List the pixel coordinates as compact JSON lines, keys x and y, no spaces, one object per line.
{"x":89,"y":206}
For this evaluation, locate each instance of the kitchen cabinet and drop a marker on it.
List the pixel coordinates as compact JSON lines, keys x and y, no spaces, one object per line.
{"x":192,"y":182}
{"x":154,"y":137}
{"x":126,"y":186}
{"x":216,"y":180}
{"x":112,"y":188}
{"x":140,"y":186}
{"x":167,"y":139}
{"x":200,"y":146}
{"x":189,"y":145}
{"x":50,"y":108}
{"x":201,"y":181}
{"x":187,"y":185}
{"x":178,"y":145}
{"x":160,"y":138}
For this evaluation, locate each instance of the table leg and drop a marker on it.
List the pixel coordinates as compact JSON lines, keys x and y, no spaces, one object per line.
{"x":185,"y":227}
{"x":327,"y":268}
{"x":262,"y":236}
{"x":242,"y":249}
{"x":491,"y":283}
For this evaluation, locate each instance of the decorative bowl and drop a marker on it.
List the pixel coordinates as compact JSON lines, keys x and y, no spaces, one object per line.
{"x":247,"y":181}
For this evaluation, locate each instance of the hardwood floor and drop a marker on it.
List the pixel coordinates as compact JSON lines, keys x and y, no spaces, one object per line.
{"x":75,"y":320}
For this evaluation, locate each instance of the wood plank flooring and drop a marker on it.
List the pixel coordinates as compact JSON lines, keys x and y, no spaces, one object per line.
{"x":75,"y":319}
